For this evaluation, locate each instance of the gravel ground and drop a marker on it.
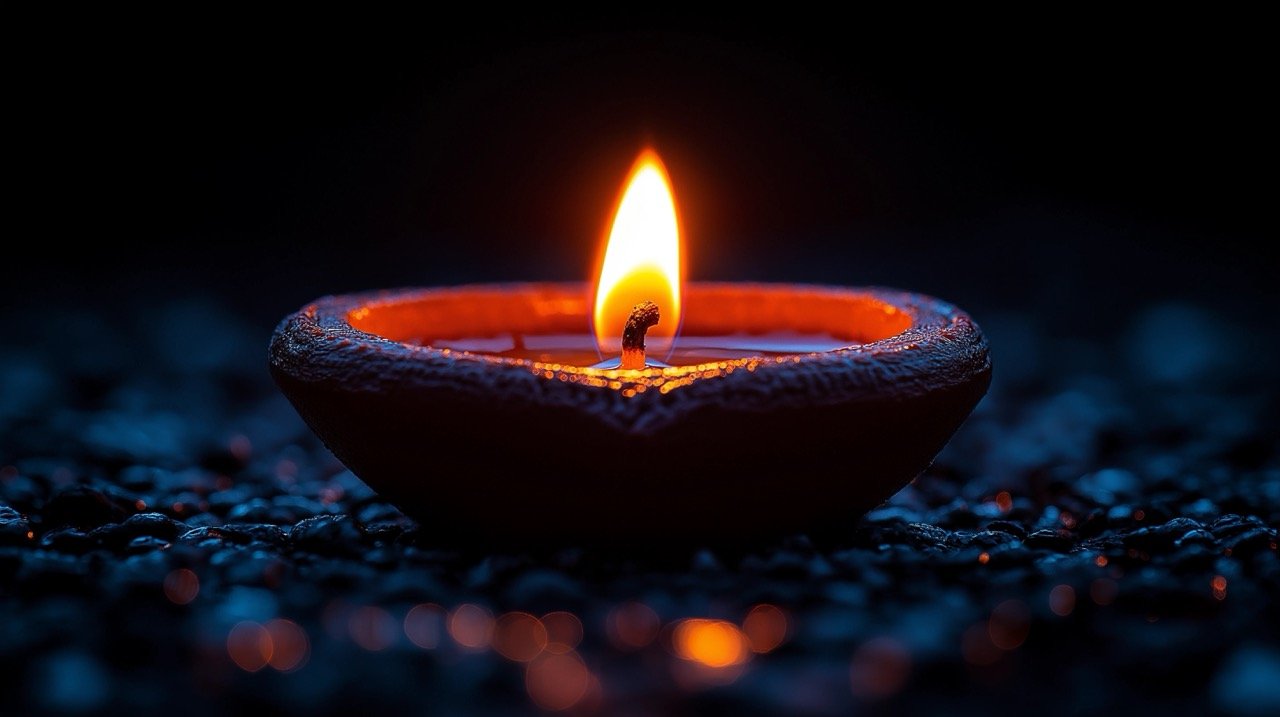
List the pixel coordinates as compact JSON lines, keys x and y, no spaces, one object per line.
{"x":1100,"y":536}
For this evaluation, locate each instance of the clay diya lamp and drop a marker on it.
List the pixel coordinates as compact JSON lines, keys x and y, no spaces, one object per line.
{"x":494,"y":413}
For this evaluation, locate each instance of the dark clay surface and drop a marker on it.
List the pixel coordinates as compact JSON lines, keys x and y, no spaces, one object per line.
{"x":494,"y":449}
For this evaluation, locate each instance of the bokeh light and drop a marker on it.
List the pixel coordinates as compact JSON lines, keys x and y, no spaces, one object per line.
{"x":1062,"y":600}
{"x":519,"y":636}
{"x":632,"y":626}
{"x":1219,"y":585}
{"x":471,"y":626}
{"x":249,"y":645}
{"x":557,"y":681}
{"x":372,"y":628}
{"x":713,"y":643}
{"x":1004,"y":501}
{"x":765,"y":627}
{"x":1104,"y":591}
{"x":181,"y":586}
{"x":976,"y":646}
{"x":880,"y":668}
{"x":240,"y":447}
{"x":1009,"y":625}
{"x":289,"y":643}
{"x":424,"y":624}
{"x":564,"y":631}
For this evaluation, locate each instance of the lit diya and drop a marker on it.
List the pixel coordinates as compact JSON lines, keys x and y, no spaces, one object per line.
{"x":647,"y":407}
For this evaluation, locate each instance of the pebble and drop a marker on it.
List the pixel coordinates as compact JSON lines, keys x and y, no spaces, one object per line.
{"x":1059,"y":540}
{"x":143,"y":524}
{"x":327,"y":535}
{"x":1161,"y":536}
{"x":81,"y":507}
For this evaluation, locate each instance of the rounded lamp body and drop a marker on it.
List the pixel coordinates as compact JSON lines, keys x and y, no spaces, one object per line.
{"x":491,"y":448}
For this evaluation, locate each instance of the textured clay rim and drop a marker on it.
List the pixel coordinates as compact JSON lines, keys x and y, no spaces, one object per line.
{"x":941,"y":348}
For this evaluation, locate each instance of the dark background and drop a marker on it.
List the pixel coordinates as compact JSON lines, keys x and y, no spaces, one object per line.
{"x":1075,"y":167}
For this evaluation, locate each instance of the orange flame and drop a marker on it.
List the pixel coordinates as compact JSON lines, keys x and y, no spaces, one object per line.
{"x":641,"y":261}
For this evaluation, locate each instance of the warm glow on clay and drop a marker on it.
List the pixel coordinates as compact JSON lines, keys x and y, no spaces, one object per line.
{"x":641,"y":261}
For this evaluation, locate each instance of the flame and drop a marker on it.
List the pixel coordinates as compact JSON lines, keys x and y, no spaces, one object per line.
{"x":641,"y":261}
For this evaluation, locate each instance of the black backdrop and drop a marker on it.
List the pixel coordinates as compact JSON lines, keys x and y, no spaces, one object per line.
{"x":1073,"y":167}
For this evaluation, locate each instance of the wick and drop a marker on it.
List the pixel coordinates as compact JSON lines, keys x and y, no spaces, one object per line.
{"x":644,"y":315}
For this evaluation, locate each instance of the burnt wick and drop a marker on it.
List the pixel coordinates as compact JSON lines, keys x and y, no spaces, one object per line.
{"x":644,"y":315}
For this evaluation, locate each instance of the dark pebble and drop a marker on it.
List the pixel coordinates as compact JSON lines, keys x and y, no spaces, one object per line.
{"x":224,"y":501}
{"x":14,"y":529}
{"x":1229,"y":525}
{"x":256,"y":510}
{"x":1251,"y":542}
{"x":1059,"y":540}
{"x":68,"y":540}
{"x":327,"y":535}
{"x":149,"y":524}
{"x":922,"y":535}
{"x":205,"y":537}
{"x":81,"y":507}
{"x":986,"y":539}
{"x":145,"y":544}
{"x":256,"y":532}
{"x":1005,"y":526}
{"x":1161,"y":537}
{"x":1196,"y":537}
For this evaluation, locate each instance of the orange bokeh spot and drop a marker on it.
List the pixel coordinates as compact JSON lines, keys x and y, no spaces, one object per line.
{"x":249,"y":645}
{"x":1219,"y":584}
{"x":880,"y":668}
{"x":564,"y":631}
{"x":471,"y":626}
{"x":632,"y":626}
{"x":1009,"y":625}
{"x":290,"y":646}
{"x":714,"y":643}
{"x":1104,"y":591}
{"x":765,"y":627}
{"x":557,"y":681}
{"x":519,"y":636}
{"x":240,"y":447}
{"x":372,"y":628}
{"x":424,"y":624}
{"x":977,"y":648}
{"x":1004,"y":501}
{"x":1062,"y":600}
{"x":181,"y":586}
